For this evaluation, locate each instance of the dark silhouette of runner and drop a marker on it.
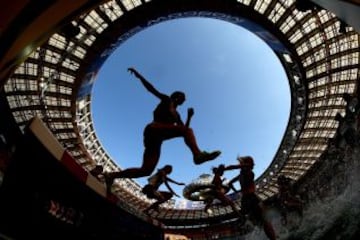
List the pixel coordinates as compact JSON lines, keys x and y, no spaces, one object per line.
{"x":218,"y":191}
{"x":151,"y":190}
{"x":250,"y":202}
{"x":166,"y":124}
{"x":287,"y":198}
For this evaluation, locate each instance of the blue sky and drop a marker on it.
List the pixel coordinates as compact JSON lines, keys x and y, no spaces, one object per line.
{"x":232,"y":79}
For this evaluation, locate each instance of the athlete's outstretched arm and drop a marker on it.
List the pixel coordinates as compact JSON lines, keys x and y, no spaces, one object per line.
{"x":232,"y":167}
{"x":230,"y":183}
{"x":146,"y":83}
{"x":190,"y":113}
{"x":173,"y":181}
{"x":170,"y":189}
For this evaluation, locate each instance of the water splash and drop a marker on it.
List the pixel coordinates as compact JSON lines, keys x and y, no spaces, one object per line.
{"x":333,"y":218}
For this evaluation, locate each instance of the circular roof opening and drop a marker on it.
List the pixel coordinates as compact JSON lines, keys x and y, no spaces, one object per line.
{"x":232,"y":78}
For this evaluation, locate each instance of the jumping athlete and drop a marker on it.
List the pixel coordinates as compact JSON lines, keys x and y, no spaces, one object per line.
{"x":166,"y":124}
{"x":218,"y":191}
{"x":151,"y":190}
{"x":287,"y":199}
{"x":250,"y":202}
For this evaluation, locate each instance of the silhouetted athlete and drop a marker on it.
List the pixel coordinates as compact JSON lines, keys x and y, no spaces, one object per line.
{"x":155,"y":181}
{"x":250,"y":202}
{"x":167,"y":124}
{"x":218,"y":191}
{"x":287,"y":199}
